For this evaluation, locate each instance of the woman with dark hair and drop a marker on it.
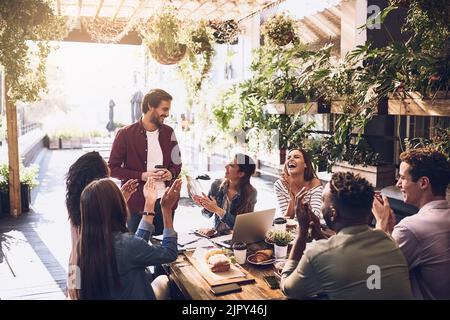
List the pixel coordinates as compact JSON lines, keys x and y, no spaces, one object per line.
{"x":87,"y":168}
{"x":298,"y":173}
{"x":231,"y":195}
{"x":112,"y":262}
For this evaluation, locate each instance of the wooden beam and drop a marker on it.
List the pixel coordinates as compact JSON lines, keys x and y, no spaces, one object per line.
{"x":80,"y":5}
{"x":118,"y":10}
{"x":58,"y":7}
{"x":200,"y":4}
{"x":419,"y":107}
{"x":99,"y":7}
{"x":137,"y":9}
{"x":13,"y":155}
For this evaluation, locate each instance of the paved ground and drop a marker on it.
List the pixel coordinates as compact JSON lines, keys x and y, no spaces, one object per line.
{"x":35,"y":247}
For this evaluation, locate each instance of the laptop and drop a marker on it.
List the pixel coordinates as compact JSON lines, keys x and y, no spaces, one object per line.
{"x":248,"y":227}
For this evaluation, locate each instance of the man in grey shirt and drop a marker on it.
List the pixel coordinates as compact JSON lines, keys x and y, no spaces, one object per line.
{"x":424,"y":238}
{"x":356,"y":263}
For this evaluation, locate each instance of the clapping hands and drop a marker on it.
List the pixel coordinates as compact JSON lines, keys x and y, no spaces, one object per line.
{"x":306,"y":218}
{"x":171,"y":195}
{"x":128,"y":188}
{"x":149,"y":191}
{"x":209,"y":203}
{"x":383,"y":213}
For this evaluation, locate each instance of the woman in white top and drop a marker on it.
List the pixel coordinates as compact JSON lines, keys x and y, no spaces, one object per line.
{"x":298,"y":172}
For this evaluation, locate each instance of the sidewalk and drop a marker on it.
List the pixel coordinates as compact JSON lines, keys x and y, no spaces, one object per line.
{"x":36,"y":246}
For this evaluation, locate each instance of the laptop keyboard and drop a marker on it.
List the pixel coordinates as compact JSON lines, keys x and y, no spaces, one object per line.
{"x":228,"y":242}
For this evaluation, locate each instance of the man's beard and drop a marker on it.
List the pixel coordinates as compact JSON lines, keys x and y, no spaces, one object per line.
{"x":156,"y":121}
{"x":326,"y":217}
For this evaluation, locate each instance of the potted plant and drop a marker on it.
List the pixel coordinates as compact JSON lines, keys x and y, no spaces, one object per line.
{"x":53,"y":141}
{"x":162,"y":36}
{"x":28,"y":181}
{"x":281,"y":240}
{"x":439,"y":140}
{"x":195,"y":68}
{"x":314,"y":147}
{"x":279,"y":30}
{"x":225,"y":31}
{"x":359,"y":158}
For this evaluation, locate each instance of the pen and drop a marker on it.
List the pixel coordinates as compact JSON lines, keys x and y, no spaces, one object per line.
{"x":182,"y":245}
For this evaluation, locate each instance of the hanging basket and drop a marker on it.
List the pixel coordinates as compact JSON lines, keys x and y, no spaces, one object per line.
{"x":279,"y":30}
{"x":225,"y":31}
{"x":283,"y":39}
{"x":164,"y":56}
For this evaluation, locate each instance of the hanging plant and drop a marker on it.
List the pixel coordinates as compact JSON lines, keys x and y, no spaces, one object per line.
{"x":200,"y":39}
{"x":162,"y":36}
{"x":225,"y":31}
{"x":196,"y":67}
{"x":279,"y":30}
{"x":105,"y":30}
{"x":21,"y":22}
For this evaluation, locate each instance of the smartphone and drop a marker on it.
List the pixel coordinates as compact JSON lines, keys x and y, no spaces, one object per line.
{"x":225,"y":288}
{"x":272,"y":282}
{"x":158,"y":166}
{"x":379,"y":197}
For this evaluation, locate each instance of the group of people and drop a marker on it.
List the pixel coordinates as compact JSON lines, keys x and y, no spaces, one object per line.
{"x":111,"y":226}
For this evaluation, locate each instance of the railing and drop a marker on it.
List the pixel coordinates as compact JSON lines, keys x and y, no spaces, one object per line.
{"x":25,"y":128}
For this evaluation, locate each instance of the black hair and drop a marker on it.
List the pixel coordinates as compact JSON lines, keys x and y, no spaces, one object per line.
{"x":351,"y":193}
{"x":87,"y":168}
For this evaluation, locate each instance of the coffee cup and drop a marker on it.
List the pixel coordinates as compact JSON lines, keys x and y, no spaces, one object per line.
{"x":279,"y":223}
{"x":240,"y":252}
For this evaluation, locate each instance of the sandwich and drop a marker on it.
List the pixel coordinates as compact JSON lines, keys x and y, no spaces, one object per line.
{"x":217,"y":260}
{"x":262,"y":255}
{"x":207,"y":232}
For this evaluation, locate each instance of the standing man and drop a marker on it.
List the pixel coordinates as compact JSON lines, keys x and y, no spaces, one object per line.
{"x":424,"y":238}
{"x":139,"y":147}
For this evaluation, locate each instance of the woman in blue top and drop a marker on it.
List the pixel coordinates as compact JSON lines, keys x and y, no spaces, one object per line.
{"x":231,"y":195}
{"x":112,"y":262}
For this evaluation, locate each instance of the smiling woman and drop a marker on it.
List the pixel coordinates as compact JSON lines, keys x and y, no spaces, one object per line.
{"x":298,"y":173}
{"x":231,"y":195}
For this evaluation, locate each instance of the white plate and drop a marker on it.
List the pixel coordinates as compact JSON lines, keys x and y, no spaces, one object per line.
{"x":198,"y":233}
{"x":263,"y":263}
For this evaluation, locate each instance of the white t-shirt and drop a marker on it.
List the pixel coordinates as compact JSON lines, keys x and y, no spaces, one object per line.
{"x":155,"y":157}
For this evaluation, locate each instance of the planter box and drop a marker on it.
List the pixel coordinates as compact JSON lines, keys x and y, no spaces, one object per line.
{"x":25,"y":198}
{"x":410,"y":104}
{"x":66,"y":143}
{"x":73,"y":143}
{"x":413,"y":104}
{"x":294,"y":108}
{"x":53,"y":143}
{"x":379,"y":177}
{"x":76,"y":143}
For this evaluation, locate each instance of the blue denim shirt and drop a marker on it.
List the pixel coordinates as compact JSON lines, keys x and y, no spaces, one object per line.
{"x":134,"y":254}
{"x":230,"y":215}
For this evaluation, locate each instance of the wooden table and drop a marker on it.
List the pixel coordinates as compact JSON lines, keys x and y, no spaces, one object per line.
{"x":194,"y":286}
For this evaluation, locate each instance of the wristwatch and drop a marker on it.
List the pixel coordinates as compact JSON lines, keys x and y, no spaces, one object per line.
{"x":146,"y":213}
